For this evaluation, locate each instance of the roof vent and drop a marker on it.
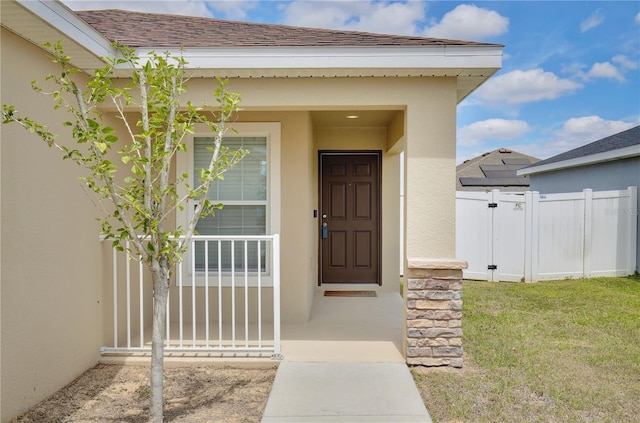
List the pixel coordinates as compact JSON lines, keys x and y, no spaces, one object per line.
{"x":504,"y":150}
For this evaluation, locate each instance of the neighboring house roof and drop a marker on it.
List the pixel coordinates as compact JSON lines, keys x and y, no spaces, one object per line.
{"x":137,"y":29}
{"x":494,"y":170}
{"x":228,"y":49}
{"x":615,"y":147}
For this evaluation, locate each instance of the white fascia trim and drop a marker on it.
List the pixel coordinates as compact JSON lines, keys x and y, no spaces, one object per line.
{"x":456,"y":58}
{"x":621,"y":153}
{"x":64,"y":20}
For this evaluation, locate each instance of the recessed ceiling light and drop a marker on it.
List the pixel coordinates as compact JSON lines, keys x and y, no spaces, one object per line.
{"x":352,"y":116}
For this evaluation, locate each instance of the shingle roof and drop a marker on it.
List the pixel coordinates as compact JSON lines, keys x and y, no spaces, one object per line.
{"x":617,"y":141}
{"x":137,"y":29}
{"x":494,"y":170}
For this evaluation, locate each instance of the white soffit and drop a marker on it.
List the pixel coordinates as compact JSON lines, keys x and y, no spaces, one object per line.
{"x":607,"y":156}
{"x":472,"y":66}
{"x":50,"y":21}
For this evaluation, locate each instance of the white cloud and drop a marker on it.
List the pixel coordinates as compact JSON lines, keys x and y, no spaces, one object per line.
{"x":174,"y":7}
{"x":575,"y":133}
{"x":604,"y":70}
{"x":575,"y":69}
{"x":519,"y":86}
{"x":369,"y":16}
{"x":624,"y":62}
{"x":469,"y":22}
{"x":592,"y":21}
{"x":493,"y":130}
{"x":583,"y":130}
{"x":396,"y":18}
{"x":638,"y":18}
{"x":320,"y":14}
{"x":233,"y":9}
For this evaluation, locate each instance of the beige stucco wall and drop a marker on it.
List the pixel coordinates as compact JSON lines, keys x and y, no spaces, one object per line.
{"x":430,"y":171}
{"x":298,"y":192}
{"x":429,"y":140}
{"x":50,"y":278}
{"x":300,"y":144}
{"x":301,"y":141}
{"x":56,"y":313}
{"x":298,"y":197}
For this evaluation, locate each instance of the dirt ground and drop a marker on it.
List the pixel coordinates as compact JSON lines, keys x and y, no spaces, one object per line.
{"x":194,"y":394}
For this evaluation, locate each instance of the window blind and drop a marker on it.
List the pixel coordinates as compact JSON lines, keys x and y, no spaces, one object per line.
{"x":243,"y":193}
{"x":247,"y":180}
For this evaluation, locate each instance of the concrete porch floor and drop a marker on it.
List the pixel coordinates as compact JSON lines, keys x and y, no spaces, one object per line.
{"x":348,"y":329}
{"x":340,"y":329}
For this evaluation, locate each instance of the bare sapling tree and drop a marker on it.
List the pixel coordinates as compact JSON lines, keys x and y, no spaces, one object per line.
{"x":133,"y":175}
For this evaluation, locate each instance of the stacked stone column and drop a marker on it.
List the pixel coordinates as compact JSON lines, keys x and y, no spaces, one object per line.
{"x":433,"y":306}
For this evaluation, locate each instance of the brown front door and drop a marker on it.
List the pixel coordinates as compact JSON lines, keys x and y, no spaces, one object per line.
{"x":350,"y":217}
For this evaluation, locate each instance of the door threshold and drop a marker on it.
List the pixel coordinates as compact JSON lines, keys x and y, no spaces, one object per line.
{"x":348,"y":286}
{"x":358,"y":293}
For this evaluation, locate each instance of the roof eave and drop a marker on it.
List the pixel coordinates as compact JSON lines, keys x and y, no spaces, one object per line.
{"x":82,"y":42}
{"x":472,"y":65}
{"x":607,"y":156}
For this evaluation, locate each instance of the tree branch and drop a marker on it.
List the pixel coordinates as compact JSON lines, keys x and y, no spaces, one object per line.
{"x":144,"y":109}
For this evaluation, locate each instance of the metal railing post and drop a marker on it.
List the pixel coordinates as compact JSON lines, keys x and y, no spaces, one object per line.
{"x":115,"y":297}
{"x":277,"y":353}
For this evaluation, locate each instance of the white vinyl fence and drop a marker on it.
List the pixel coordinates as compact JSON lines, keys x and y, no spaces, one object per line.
{"x":530,"y":237}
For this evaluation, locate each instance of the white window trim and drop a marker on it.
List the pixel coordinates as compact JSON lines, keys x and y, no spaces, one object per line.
{"x":184,"y":164}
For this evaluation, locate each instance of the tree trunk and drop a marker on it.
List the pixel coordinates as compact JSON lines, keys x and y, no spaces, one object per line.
{"x":160,"y":277}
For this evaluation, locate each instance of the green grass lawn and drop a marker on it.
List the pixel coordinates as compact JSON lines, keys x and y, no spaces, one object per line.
{"x":562,"y":351}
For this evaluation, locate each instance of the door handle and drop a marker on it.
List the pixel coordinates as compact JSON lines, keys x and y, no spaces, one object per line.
{"x":325,"y":230}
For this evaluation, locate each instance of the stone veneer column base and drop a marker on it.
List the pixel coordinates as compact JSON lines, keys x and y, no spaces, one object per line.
{"x":433,"y":312}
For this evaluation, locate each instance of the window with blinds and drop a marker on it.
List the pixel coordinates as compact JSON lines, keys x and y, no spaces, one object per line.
{"x":243,"y":193}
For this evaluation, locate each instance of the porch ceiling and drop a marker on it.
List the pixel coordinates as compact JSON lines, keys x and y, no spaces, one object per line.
{"x":365,"y":119}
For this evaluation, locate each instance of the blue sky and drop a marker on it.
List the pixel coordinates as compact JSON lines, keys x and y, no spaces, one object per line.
{"x":570,"y":74}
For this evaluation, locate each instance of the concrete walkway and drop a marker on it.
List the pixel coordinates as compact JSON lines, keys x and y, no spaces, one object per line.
{"x":346,"y":365}
{"x":344,"y":392}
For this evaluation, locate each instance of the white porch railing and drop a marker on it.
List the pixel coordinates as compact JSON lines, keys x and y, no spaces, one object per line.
{"x":224,"y":299}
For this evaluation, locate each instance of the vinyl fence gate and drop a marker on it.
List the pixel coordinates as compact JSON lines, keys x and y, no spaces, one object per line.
{"x":530,"y":236}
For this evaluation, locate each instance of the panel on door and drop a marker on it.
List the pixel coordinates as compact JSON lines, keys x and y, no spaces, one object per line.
{"x":350,"y":214}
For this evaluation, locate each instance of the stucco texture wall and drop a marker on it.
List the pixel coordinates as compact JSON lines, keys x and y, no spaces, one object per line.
{"x":430,"y":169}
{"x":55,"y":305}
{"x":429,"y":140}
{"x":431,"y":158}
{"x":50,"y":280}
